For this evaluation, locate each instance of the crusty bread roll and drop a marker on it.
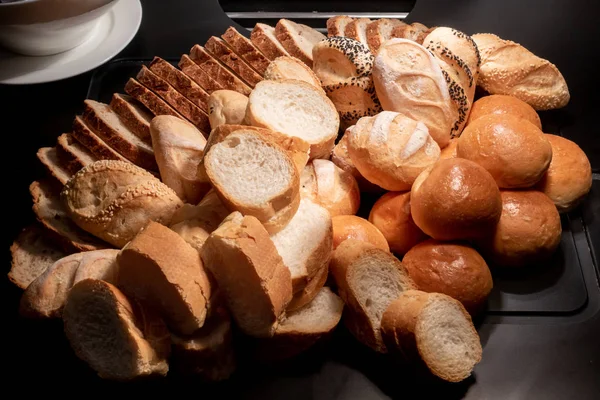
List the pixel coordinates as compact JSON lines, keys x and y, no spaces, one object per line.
{"x":455,"y":199}
{"x":160,"y":269}
{"x":513,"y":150}
{"x":435,"y":328}
{"x":408,"y":79}
{"x":336,"y":26}
{"x":274,"y":105}
{"x":226,"y":107}
{"x":509,"y":68}
{"x":451,"y":268}
{"x":120,"y":340}
{"x":330,"y":186}
{"x":178,"y":147}
{"x":298,"y":39}
{"x":450,"y":150}
{"x":391,"y":215}
{"x":285,"y":67}
{"x":344,"y":67}
{"x":528,"y":232}
{"x":352,"y":227}
{"x":569,"y":176}
{"x":391,"y":149}
{"x":501,"y":104}
{"x":114,"y":200}
{"x":254,"y":176}
{"x":256,"y":284}
{"x":380,"y":31}
{"x":368,"y":280}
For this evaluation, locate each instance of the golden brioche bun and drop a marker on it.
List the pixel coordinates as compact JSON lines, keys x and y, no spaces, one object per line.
{"x":500,"y":104}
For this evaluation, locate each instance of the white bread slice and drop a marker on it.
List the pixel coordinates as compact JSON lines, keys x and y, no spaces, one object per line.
{"x":198,"y":75}
{"x":160,"y":269}
{"x":368,"y":280}
{"x":298,"y":109}
{"x":254,"y":176}
{"x":283,"y":68}
{"x":57,"y":169}
{"x":133,"y":114}
{"x":32,"y":253}
{"x":105,"y":123}
{"x":306,"y":243}
{"x":336,"y":26}
{"x":263,"y":37}
{"x":119,"y":340}
{"x":79,"y":155}
{"x":218,"y":71}
{"x":93,"y":143}
{"x":245,"y":49}
{"x":255,"y":283}
{"x":436,"y":328}
{"x":357,"y":30}
{"x":217,"y":48}
{"x":46,"y":295}
{"x":298,"y":39}
{"x":380,"y":31}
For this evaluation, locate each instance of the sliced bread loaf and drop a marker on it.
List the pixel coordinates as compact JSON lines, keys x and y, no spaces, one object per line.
{"x":219,"y":72}
{"x":245,"y":49}
{"x":263,"y":37}
{"x":93,"y":142}
{"x":380,"y":31}
{"x":198,"y":75}
{"x":357,"y":30}
{"x":284,"y":67}
{"x":149,"y":99}
{"x":298,"y":39}
{"x":133,"y":114}
{"x":220,"y":51}
{"x":56,"y":167}
{"x":78,"y":154}
{"x":336,"y":26}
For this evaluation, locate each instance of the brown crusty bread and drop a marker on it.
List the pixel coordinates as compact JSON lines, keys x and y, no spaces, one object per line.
{"x":55,"y":166}
{"x":336,"y":26}
{"x":226,"y":107}
{"x":198,"y":75}
{"x":51,"y":213}
{"x":380,"y":31}
{"x":32,"y":252}
{"x":160,"y":269}
{"x":217,"y":48}
{"x":250,"y":272}
{"x":219,"y":72}
{"x":93,"y":142}
{"x":119,"y":340}
{"x":353,"y":227}
{"x":357,"y":30}
{"x":149,"y":99}
{"x":298,"y":39}
{"x":263,"y":37}
{"x":105,"y":123}
{"x":79,"y":155}
{"x":133,"y":114}
{"x":245,"y":49}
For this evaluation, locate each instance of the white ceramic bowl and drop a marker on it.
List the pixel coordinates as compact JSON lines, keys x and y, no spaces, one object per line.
{"x":44,"y":27}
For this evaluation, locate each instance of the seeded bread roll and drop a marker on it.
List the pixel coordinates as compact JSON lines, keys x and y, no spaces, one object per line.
{"x":501,"y":104}
{"x":391,"y":150}
{"x":285,"y":67}
{"x":226,"y":107}
{"x":352,"y":227}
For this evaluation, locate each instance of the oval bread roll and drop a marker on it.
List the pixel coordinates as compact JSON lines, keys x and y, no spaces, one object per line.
{"x":226,"y":107}
{"x":513,"y":150}
{"x":501,"y":104}
{"x":285,"y":67}
{"x":352,"y":227}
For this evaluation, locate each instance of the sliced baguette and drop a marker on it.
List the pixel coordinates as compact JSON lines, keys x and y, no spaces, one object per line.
{"x":263,"y":37}
{"x":119,"y":340}
{"x":219,"y":72}
{"x":298,"y":39}
{"x":105,"y":123}
{"x":134,"y":115}
{"x":368,"y":280}
{"x":380,"y":31}
{"x":357,"y":30}
{"x":436,"y":328}
{"x":93,"y":142}
{"x":32,"y":252}
{"x":149,"y":99}
{"x":256,"y":284}
{"x":79,"y":155}
{"x":220,"y":51}
{"x":283,"y":68}
{"x":57,"y":169}
{"x":245,"y":49}
{"x":305,"y":296}
{"x":336,"y":26}
{"x":198,"y":75}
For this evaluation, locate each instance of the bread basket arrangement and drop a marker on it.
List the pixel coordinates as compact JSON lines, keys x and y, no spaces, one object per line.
{"x":218,"y":198}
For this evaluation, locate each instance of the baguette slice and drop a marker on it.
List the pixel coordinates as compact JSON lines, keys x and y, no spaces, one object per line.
{"x":380,"y":31}
{"x":57,"y":169}
{"x":218,"y":71}
{"x":119,"y":340}
{"x":220,"y":51}
{"x":198,"y":75}
{"x":181,"y":82}
{"x":80,"y":156}
{"x":149,"y":99}
{"x":368,"y":280}
{"x":357,"y":30}
{"x":32,"y":253}
{"x":256,"y":284}
{"x":254,"y":176}
{"x":175,"y":99}
{"x":306,"y":295}
{"x":245,"y":49}
{"x":283,"y":68}
{"x":435,"y":327}
{"x":134,"y":115}
{"x":336,"y":26}
{"x":93,"y":143}
{"x":263,"y":37}
{"x":298,"y":39}
{"x":105,"y":123}
{"x":46,"y":295}
{"x":51,"y":213}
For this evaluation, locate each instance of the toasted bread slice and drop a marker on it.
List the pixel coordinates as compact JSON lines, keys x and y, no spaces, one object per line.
{"x":198,"y":75}
{"x":380,"y":31}
{"x":149,"y":99}
{"x":134,"y":115}
{"x":336,"y":26}
{"x":357,"y":30}
{"x":220,"y":51}
{"x":223,"y":75}
{"x":32,"y":252}
{"x":57,"y":169}
{"x":263,"y":37}
{"x":298,"y":39}
{"x":93,"y":142}
{"x":283,"y":68}
{"x":78,"y":154}
{"x":245,"y":49}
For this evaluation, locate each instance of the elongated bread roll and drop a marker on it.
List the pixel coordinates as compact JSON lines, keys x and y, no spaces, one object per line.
{"x":226,"y":107}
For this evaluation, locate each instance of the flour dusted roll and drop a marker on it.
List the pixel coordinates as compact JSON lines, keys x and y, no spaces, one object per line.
{"x":391,"y":150}
{"x":501,"y":104}
{"x":513,"y":150}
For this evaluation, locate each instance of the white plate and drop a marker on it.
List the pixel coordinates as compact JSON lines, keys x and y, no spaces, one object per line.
{"x":113,"y":32}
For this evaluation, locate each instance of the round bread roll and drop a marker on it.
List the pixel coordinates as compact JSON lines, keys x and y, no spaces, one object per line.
{"x":455,"y":199}
{"x":450,"y":150}
{"x":341,"y":158}
{"x":353,"y":227}
{"x":569,"y":177}
{"x":513,"y":150}
{"x":226,"y":107}
{"x":326,"y":184}
{"x":528,"y":231}
{"x":391,"y":150}
{"x":453,"y":269}
{"x":500,"y":104}
{"x":391,"y":215}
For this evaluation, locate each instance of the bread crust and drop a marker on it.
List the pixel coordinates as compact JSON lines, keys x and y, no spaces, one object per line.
{"x":352,"y":227}
{"x":287,"y":33}
{"x":219,"y":72}
{"x":55,"y":167}
{"x":93,"y":143}
{"x":77,"y":155}
{"x":341,"y":158}
{"x":226,"y":107}
{"x":502,"y":104}
{"x":245,"y":49}
{"x":136,"y":119}
{"x":263,"y":37}
{"x":314,"y":284}
{"x":149,"y":99}
{"x":284,"y":67}
{"x":357,"y":30}
{"x":198,"y":75}
{"x":220,"y":51}
{"x":336,"y":26}
{"x":375,"y":35}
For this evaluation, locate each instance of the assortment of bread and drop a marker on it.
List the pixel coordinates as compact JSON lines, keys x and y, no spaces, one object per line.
{"x":213,"y":199}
